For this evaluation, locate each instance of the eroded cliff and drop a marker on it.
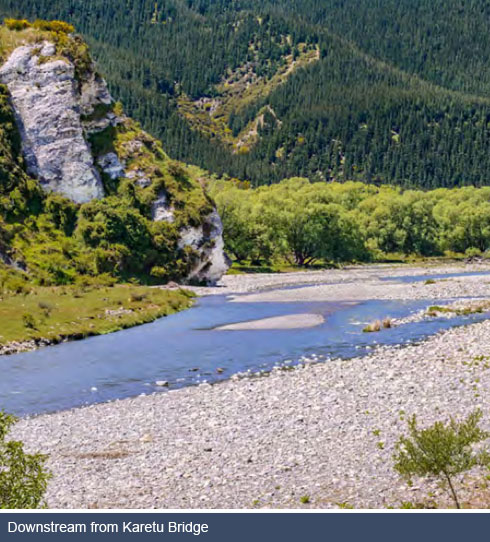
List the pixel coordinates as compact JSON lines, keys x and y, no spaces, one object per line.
{"x":137,"y":212}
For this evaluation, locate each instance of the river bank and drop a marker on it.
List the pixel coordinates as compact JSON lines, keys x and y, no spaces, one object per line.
{"x":51,"y":315}
{"x":325,"y":431}
{"x":320,"y":435}
{"x":47,"y":316}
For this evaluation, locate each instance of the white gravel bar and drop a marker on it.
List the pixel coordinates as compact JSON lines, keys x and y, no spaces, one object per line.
{"x":266,"y":441}
{"x":290,"y":321}
{"x":361,"y":279}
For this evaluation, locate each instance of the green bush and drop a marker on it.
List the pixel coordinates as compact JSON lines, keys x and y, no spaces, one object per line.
{"x":473,"y":253}
{"x":29,"y":320}
{"x":159,"y":272}
{"x":442,"y":450}
{"x":23,"y":477}
{"x":54,"y":26}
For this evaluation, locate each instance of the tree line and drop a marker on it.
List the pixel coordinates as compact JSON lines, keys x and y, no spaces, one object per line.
{"x":306,"y":222}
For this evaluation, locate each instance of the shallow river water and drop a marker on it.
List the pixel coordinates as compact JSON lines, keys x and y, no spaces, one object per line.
{"x":185,"y":349}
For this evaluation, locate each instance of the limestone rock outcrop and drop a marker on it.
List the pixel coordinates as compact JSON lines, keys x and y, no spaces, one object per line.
{"x":109,"y":163}
{"x":161,"y":210}
{"x":46,"y":101}
{"x":207,"y":240}
{"x":61,"y":115}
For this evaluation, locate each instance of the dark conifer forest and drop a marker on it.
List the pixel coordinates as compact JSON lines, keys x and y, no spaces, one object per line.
{"x":384,"y":91}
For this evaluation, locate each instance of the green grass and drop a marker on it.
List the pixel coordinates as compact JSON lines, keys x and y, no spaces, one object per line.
{"x":477,"y":308}
{"x":69,"y":312}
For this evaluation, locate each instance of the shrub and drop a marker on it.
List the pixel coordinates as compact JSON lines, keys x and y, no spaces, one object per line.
{"x":17,"y":24}
{"x":13,"y":284}
{"x":23,"y":478}
{"x":373,"y":327}
{"x":46,"y":308}
{"x":442,"y":450}
{"x":387,"y":323}
{"x":159,"y":272}
{"x":177,"y":170}
{"x":54,"y":26}
{"x":29,"y":320}
{"x":137,"y":297}
{"x":473,"y":253}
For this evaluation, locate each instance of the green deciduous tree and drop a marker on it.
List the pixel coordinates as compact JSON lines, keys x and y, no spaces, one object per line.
{"x":344,"y":222}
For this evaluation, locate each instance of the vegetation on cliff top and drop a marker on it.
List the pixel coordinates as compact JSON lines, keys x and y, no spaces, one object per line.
{"x":45,"y":239}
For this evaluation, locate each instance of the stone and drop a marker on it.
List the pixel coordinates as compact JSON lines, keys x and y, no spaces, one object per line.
{"x":94,"y":91}
{"x":56,"y":112}
{"x":45,"y":99}
{"x":162,"y":383}
{"x":111,"y":166}
{"x":161,"y":210}
{"x":207,"y":240}
{"x":140,"y":178}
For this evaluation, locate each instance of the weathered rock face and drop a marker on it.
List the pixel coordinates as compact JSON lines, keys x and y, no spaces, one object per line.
{"x":110,"y":164}
{"x":161,"y":210}
{"x":56,"y":116}
{"x":94,"y":91}
{"x":207,"y":240}
{"x":46,"y":101}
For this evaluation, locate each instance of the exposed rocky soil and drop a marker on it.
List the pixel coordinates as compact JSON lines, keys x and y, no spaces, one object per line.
{"x":360,"y":282}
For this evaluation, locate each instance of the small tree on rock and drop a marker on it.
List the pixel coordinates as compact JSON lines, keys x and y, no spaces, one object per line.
{"x":442,"y":450}
{"x":23,"y":478}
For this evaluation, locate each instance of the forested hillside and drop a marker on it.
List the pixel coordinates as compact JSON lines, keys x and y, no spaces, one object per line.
{"x":385,"y":91}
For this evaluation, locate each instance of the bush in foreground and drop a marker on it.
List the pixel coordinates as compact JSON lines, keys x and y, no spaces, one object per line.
{"x":442,"y":450}
{"x":23,"y":477}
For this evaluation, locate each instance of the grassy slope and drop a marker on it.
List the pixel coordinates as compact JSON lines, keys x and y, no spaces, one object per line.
{"x":58,"y":242}
{"x":58,"y":313}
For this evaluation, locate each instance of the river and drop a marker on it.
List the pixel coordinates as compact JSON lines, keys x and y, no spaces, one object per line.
{"x":185,"y":349}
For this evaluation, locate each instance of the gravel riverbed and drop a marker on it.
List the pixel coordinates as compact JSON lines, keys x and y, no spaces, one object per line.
{"x":358,"y":281}
{"x":325,"y":431}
